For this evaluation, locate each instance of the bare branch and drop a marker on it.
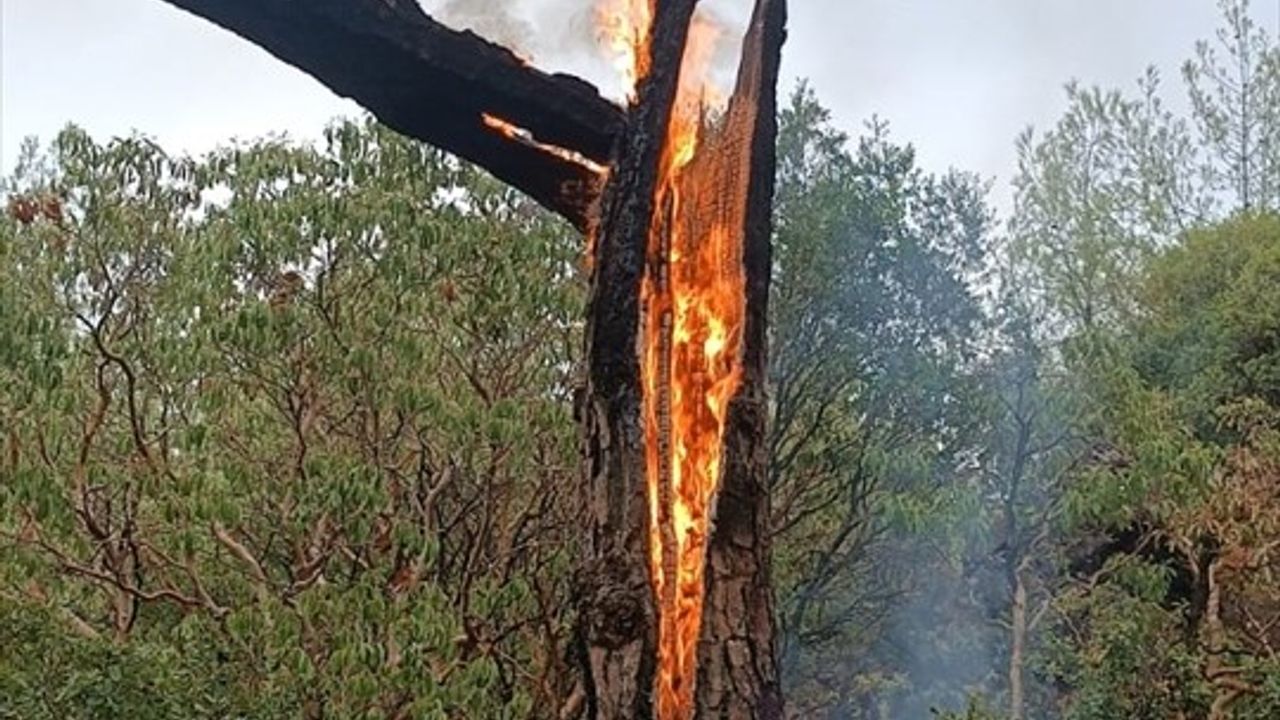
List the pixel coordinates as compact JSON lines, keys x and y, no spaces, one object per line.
{"x":436,"y":84}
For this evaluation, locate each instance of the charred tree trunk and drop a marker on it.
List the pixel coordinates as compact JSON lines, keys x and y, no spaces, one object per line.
{"x":737,"y":673}
{"x":618,"y":620}
{"x":442,"y":86}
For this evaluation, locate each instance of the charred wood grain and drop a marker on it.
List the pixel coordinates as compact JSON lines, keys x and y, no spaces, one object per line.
{"x":737,"y":670}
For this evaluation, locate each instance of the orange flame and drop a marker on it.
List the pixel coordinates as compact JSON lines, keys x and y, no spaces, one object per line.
{"x":521,"y":135}
{"x":693,"y":299}
{"x":622,"y":30}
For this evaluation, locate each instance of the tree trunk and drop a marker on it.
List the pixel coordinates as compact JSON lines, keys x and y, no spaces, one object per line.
{"x":736,"y":673}
{"x":1017,"y":647}
{"x":1227,"y":681}
{"x":444,"y":87}
{"x":618,"y":622}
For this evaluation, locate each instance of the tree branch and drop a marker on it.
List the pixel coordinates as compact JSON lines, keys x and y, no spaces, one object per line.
{"x":436,"y":84}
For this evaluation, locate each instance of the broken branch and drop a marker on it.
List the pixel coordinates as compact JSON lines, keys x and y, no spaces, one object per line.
{"x":436,"y":84}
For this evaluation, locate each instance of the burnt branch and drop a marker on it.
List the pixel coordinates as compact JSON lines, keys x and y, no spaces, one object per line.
{"x":436,"y":84}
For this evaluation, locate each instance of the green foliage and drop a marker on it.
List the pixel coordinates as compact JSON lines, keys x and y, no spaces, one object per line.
{"x":976,"y":710}
{"x":1233,"y":86}
{"x":1095,"y":196}
{"x":1158,"y":317}
{"x":1121,"y":651}
{"x":1211,"y":334}
{"x":1185,"y":398}
{"x":49,"y":674}
{"x":876,"y":323}
{"x":286,"y":432}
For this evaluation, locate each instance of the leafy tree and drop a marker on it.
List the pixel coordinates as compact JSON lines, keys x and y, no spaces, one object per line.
{"x":1035,"y":443}
{"x":1136,"y":293}
{"x":876,"y":323}
{"x":286,"y":432}
{"x":1118,"y":176}
{"x":1176,"y":614}
{"x":1110,"y":183}
{"x":1234,"y":86}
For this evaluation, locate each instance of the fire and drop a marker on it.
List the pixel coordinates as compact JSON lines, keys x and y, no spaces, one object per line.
{"x":622,"y":29}
{"x":693,"y":299}
{"x":519,"y":134}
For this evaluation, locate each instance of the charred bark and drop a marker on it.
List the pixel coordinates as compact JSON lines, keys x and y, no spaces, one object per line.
{"x":736,"y":666}
{"x":433,"y":83}
{"x":737,"y":672}
{"x":737,"y":676}
{"x":618,"y":618}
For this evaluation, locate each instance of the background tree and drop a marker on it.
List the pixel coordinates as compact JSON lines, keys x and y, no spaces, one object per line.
{"x":1111,"y":182}
{"x":876,"y":326}
{"x":1109,"y":203}
{"x":1234,"y":87}
{"x":1188,"y":522}
{"x":285,"y":428}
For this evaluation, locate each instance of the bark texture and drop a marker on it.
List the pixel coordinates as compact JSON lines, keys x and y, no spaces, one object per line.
{"x":737,"y":673}
{"x":618,"y":620}
{"x":1017,"y":647}
{"x":733,"y":185}
{"x":436,"y":84}
{"x":433,"y":83}
{"x":1226,"y":681}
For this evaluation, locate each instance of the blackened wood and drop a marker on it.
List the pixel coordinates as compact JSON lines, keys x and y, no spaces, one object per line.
{"x":433,"y":83}
{"x":617,"y":613}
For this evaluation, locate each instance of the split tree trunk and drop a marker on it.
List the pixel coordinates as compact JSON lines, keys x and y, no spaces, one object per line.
{"x":618,"y":621}
{"x":737,"y":672}
{"x":436,"y":84}
{"x":737,"y":676}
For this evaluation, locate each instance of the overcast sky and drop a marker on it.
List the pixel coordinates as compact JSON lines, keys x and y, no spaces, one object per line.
{"x":957,"y":78}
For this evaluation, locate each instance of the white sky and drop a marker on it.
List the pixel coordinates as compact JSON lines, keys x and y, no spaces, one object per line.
{"x":957,"y":78}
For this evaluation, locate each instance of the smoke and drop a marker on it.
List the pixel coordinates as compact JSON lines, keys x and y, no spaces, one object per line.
{"x":562,"y":36}
{"x":945,"y":638}
{"x":549,"y":32}
{"x":496,"y":20}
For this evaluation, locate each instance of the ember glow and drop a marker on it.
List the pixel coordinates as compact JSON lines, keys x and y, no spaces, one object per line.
{"x":521,"y":135}
{"x":622,"y":29}
{"x":693,"y":300}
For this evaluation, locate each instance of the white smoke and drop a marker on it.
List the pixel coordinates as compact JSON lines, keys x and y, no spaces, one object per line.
{"x":562,"y":36}
{"x":496,"y":20}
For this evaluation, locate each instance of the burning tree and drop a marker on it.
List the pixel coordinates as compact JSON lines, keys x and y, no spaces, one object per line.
{"x":674,"y":601}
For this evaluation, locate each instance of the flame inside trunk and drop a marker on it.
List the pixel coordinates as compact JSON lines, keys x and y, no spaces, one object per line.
{"x":693,"y":303}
